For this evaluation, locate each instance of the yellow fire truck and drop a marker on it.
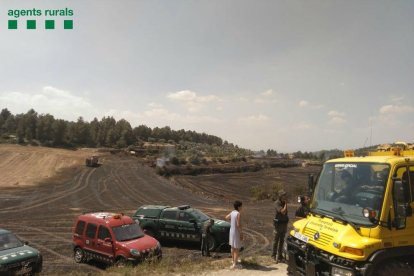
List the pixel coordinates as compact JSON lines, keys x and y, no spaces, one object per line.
{"x":360,"y":220}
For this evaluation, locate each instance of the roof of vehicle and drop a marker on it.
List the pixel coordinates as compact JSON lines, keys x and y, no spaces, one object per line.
{"x":181,"y":207}
{"x":376,"y":157}
{"x":4,"y":231}
{"x":153,"y":207}
{"x":110,"y":219}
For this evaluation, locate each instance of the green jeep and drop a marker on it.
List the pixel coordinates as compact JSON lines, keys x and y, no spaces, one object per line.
{"x":16,"y":257}
{"x":181,"y":223}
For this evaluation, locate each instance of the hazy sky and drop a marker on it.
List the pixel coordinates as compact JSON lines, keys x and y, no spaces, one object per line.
{"x":287,"y":75}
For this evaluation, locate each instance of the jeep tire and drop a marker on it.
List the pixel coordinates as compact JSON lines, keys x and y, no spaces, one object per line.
{"x":212,"y":244}
{"x":79,"y":255}
{"x":120,"y":261}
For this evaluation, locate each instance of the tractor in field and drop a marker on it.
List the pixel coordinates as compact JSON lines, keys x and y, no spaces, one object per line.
{"x":91,"y":161}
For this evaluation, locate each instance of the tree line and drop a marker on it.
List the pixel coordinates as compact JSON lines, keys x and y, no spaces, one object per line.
{"x":107,"y":132}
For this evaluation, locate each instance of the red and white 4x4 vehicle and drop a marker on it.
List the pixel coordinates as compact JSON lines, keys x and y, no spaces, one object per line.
{"x":112,"y":238}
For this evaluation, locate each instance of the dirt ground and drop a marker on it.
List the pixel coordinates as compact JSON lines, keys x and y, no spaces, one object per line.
{"x":43,"y":214}
{"x":27,"y":165}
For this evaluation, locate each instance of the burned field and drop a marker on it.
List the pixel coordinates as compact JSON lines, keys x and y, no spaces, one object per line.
{"x":44,"y":214}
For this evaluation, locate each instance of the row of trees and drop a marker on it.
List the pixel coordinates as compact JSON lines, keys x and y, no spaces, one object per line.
{"x":106,"y":132}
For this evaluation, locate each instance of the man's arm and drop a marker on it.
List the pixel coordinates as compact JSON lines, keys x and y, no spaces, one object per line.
{"x":284,"y":209}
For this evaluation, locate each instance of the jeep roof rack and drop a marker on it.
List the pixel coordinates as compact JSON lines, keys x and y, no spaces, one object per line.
{"x":184,"y":207}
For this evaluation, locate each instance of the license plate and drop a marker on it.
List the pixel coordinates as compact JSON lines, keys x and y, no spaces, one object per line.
{"x":301,"y":237}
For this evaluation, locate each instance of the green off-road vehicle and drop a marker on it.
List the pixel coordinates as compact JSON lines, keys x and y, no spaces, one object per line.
{"x":16,"y":257}
{"x":182,"y":224}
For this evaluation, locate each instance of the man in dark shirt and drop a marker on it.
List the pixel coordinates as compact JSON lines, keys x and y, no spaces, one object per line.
{"x":205,"y":236}
{"x":280,"y":223}
{"x":303,"y":210}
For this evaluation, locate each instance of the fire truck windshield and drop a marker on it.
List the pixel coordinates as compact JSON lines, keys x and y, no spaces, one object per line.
{"x":344,"y":190}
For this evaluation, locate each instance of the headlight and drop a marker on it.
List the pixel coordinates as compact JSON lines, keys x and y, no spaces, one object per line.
{"x":337,"y":271}
{"x":134,"y":252}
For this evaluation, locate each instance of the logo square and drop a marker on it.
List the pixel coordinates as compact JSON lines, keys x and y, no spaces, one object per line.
{"x":12,"y":24}
{"x":49,"y":24}
{"x":31,"y":24}
{"x":68,"y":24}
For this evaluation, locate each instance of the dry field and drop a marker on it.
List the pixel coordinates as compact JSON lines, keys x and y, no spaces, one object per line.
{"x":27,"y":165}
{"x":58,"y":187}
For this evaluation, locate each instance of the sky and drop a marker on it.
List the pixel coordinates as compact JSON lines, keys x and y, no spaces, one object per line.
{"x":284,"y":75}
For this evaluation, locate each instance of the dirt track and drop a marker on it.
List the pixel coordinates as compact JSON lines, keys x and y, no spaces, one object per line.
{"x":44,"y":214}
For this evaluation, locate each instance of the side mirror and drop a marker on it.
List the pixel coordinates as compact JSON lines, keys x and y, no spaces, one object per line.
{"x":26,"y":243}
{"x":311,"y":184}
{"x":108,"y":240}
{"x":192,"y":221}
{"x":402,"y":208}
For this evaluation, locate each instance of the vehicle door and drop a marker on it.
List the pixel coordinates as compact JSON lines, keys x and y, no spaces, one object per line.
{"x":403,"y":223}
{"x":187,"y":227}
{"x":104,"y":243}
{"x":90,"y":238}
{"x":169,"y":224}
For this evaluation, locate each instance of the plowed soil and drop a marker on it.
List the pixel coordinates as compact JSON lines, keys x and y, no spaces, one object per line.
{"x":43,"y":212}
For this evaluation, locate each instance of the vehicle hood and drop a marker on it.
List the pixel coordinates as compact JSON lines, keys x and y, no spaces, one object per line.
{"x":221,"y":223}
{"x":17,"y":254}
{"x":144,"y":243}
{"x":220,"y":226}
{"x":333,"y":236}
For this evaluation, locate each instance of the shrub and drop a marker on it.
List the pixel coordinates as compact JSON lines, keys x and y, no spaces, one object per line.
{"x":259,"y":192}
{"x":175,"y":161}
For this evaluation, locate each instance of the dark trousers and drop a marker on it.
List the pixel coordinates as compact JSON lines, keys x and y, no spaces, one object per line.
{"x":279,"y":239}
{"x":205,"y":250}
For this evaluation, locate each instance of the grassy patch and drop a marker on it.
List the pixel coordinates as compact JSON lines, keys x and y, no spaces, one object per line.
{"x":268,"y":191}
{"x":171,"y":265}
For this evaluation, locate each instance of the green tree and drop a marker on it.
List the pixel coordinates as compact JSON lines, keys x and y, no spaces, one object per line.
{"x":59,"y":132}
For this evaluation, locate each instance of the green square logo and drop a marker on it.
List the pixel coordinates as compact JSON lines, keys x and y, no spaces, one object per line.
{"x":49,"y":24}
{"x":13,"y":24}
{"x":31,"y":24}
{"x":68,"y":24}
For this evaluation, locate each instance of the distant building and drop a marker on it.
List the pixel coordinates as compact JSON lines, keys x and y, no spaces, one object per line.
{"x":161,"y":162}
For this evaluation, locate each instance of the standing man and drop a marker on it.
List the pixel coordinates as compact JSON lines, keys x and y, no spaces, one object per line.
{"x":205,"y":236}
{"x":280,"y":224}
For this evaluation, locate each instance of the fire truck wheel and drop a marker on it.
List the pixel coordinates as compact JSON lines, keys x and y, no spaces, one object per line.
{"x":395,"y":268}
{"x":79,"y":255}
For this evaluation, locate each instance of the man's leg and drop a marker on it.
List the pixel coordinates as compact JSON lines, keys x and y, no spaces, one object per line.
{"x":275,"y":242}
{"x":207,"y":246}
{"x":202,"y":245}
{"x":282,"y":232}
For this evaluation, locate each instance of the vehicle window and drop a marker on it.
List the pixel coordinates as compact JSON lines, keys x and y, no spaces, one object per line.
{"x":149,"y":213}
{"x":169,"y":214}
{"x":199,"y":216}
{"x":80,"y":227}
{"x":345,"y":189}
{"x":185,"y":216}
{"x":128,"y":232}
{"x":403,"y":195}
{"x":91,"y":230}
{"x":103,"y":233}
{"x":9,"y":240}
